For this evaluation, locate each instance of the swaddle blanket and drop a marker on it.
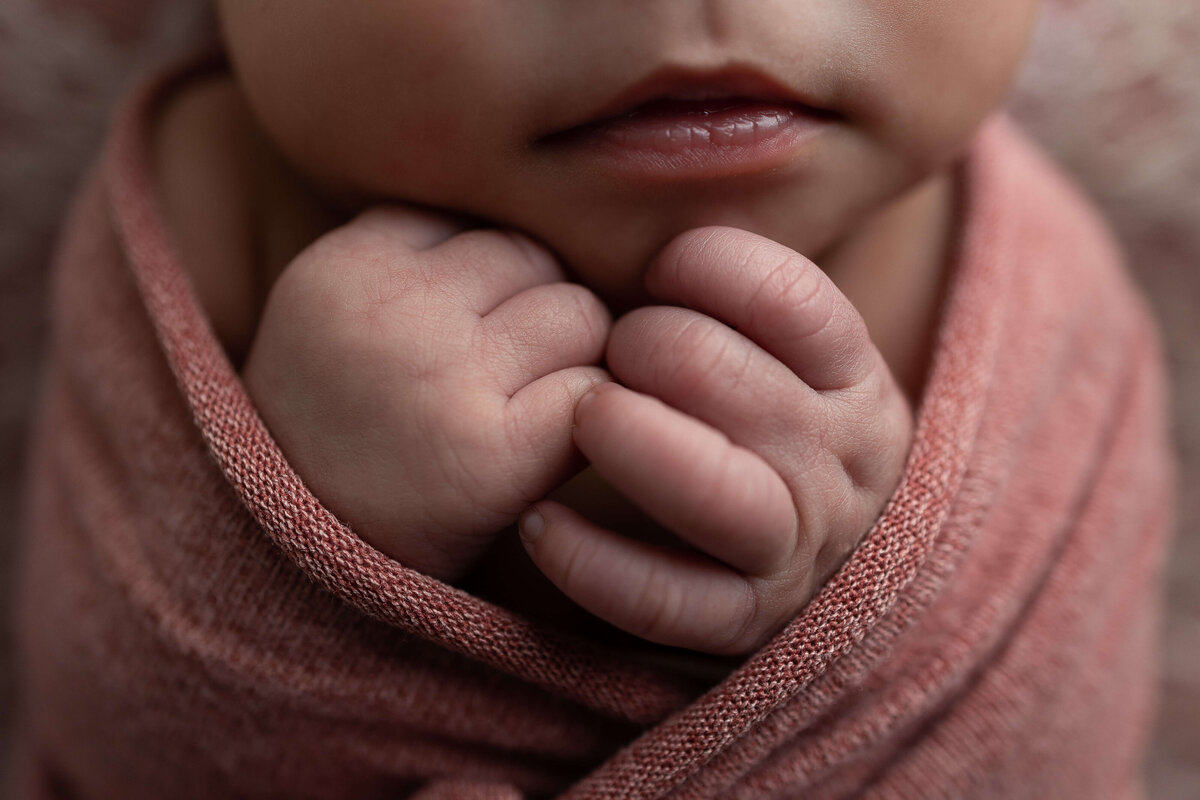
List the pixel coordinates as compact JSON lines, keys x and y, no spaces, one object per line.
{"x":195,"y":624}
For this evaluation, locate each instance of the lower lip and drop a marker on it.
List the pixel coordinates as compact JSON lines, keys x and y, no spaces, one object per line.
{"x":745,"y":139}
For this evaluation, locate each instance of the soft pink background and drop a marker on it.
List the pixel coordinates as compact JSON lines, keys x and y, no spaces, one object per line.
{"x":1112,"y":88}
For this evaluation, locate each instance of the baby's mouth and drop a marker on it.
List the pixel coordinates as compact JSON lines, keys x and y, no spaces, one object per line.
{"x":676,"y":125}
{"x":669,"y":125}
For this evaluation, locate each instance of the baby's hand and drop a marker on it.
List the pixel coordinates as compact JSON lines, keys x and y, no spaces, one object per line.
{"x":422,"y":379}
{"x":757,"y":422}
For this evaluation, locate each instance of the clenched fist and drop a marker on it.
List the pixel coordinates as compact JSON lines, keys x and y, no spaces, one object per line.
{"x":422,"y":379}
{"x":755,"y":420}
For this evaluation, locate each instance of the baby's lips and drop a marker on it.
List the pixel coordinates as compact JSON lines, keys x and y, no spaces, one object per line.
{"x":672,"y":87}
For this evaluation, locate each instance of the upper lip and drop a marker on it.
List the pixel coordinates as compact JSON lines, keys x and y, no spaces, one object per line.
{"x":731,"y":83}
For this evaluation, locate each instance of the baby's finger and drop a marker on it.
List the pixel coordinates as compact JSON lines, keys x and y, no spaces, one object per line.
{"x":410,"y":227}
{"x":664,"y":595}
{"x":543,"y":330}
{"x":774,"y":296}
{"x":537,"y":424}
{"x":485,"y":267}
{"x":716,"y":496}
{"x":434,"y":262}
{"x":713,"y":373}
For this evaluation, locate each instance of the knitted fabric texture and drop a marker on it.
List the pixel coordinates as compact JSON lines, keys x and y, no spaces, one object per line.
{"x":194,"y":623}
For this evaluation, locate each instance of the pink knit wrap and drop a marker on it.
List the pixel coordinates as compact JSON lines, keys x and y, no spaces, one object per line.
{"x":194,"y":623}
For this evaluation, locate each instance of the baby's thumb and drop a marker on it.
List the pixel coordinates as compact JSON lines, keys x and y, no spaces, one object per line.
{"x":540,"y":418}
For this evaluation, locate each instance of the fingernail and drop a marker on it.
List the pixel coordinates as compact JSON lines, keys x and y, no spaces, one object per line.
{"x":531,"y":526}
{"x":590,"y":398}
{"x":585,"y":401}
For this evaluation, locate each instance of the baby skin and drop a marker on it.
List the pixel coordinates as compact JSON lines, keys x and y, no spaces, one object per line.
{"x":432,"y":384}
{"x":463,"y":195}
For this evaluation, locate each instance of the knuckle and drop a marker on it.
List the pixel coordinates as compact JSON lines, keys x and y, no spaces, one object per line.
{"x":688,"y":249}
{"x":657,"y":606}
{"x":405,"y":226}
{"x":726,"y":482}
{"x":374,"y":219}
{"x":744,"y":630}
{"x":590,"y":315}
{"x":462,"y":461}
{"x":688,"y":348}
{"x":771,"y":541}
{"x":379,"y":288}
{"x":575,"y":564}
{"x":792,"y":290}
{"x":501,"y":345}
{"x":523,"y":432}
{"x":570,"y":310}
{"x":360,"y":240}
{"x":696,"y":359}
{"x":491,"y":246}
{"x":359,"y":274}
{"x":832,"y":554}
{"x":531,"y":250}
{"x":555,"y":320}
{"x":877,"y":434}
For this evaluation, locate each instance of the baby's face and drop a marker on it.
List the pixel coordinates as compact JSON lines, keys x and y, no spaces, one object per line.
{"x":605,"y":128}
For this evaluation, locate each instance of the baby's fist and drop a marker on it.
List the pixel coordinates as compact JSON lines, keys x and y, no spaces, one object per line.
{"x":422,"y":379}
{"x":756,"y":421}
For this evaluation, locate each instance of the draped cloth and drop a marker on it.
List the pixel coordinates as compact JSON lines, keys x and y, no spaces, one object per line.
{"x":194,"y":623}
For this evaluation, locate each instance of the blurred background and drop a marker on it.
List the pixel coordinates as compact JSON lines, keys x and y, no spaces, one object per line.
{"x":1111,"y":88}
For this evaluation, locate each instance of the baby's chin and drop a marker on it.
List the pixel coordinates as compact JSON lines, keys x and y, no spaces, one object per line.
{"x":606,"y":238}
{"x":610,"y":254}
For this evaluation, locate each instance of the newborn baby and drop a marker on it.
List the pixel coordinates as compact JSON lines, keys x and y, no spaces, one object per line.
{"x":513,"y":178}
{"x":628,"y":299}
